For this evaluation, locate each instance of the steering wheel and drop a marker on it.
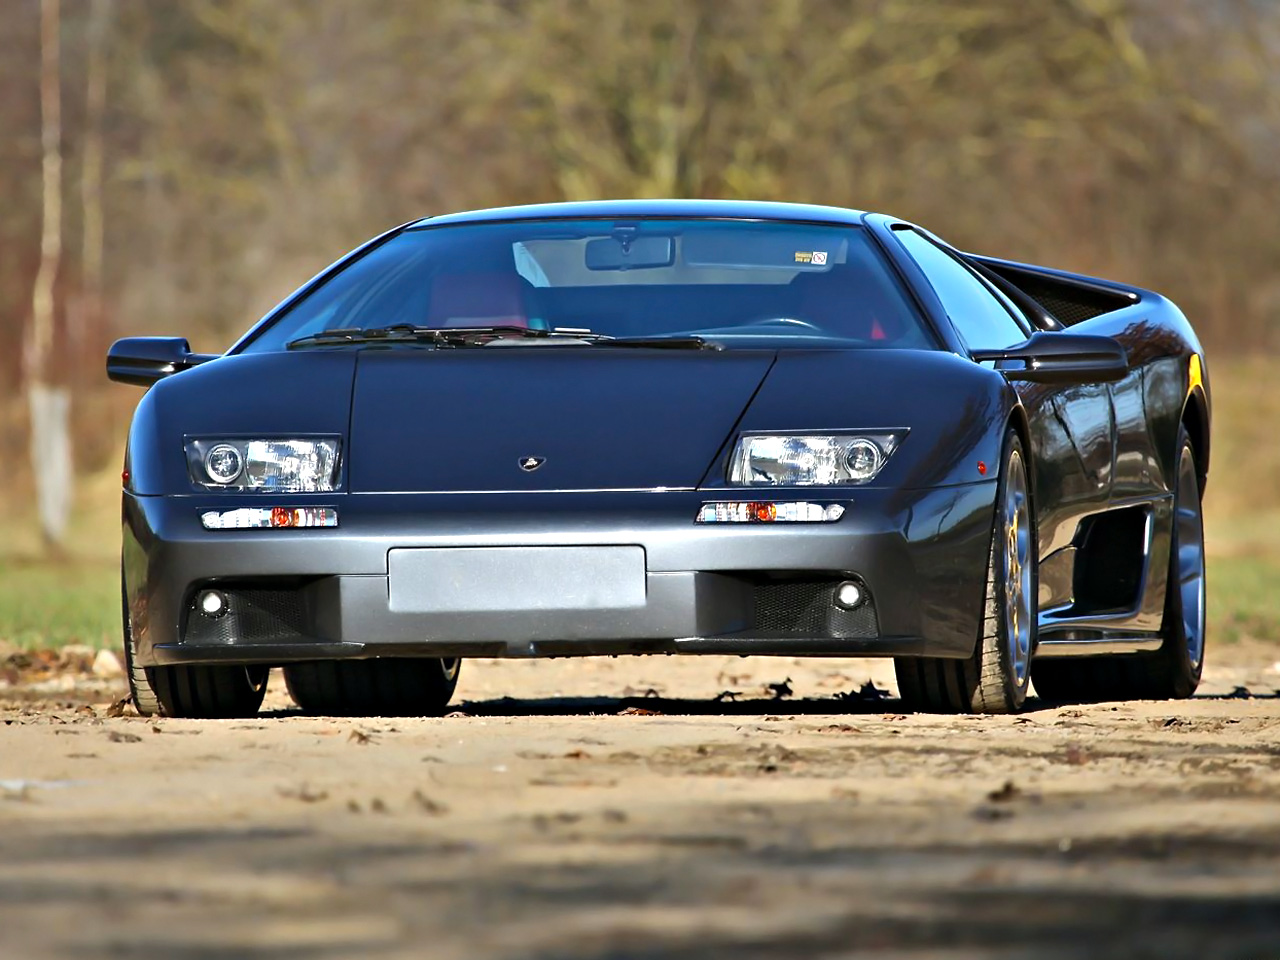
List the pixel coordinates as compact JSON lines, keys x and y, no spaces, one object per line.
{"x":790,"y":321}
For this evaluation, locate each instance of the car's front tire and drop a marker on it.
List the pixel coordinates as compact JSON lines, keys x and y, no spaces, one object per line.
{"x":995,"y":678}
{"x":382,"y":687}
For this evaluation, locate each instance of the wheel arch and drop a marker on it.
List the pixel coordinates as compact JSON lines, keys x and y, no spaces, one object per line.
{"x":1195,"y":420}
{"x":1022,"y":426}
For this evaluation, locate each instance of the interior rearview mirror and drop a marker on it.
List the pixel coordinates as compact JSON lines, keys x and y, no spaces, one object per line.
{"x":1061,"y":357}
{"x":144,"y":360}
{"x":629,"y":253}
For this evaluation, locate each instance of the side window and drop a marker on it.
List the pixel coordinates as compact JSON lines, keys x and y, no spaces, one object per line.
{"x":974,"y":309}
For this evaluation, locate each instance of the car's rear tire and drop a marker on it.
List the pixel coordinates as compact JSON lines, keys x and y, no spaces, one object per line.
{"x":1172,"y":672}
{"x":203,"y":692}
{"x":382,"y":687}
{"x":995,"y":678}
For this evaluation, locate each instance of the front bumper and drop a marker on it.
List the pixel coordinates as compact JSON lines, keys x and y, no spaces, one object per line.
{"x":441,"y":575}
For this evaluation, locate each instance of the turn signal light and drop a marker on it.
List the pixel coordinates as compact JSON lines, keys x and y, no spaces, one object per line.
{"x":743,"y":511}
{"x":260,"y":518}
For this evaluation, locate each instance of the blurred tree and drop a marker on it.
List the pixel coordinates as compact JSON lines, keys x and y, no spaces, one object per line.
{"x":89,"y":312}
{"x":236,"y":146}
{"x":49,"y":403}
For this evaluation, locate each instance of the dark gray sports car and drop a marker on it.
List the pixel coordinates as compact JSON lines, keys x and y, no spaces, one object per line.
{"x":669,"y":427}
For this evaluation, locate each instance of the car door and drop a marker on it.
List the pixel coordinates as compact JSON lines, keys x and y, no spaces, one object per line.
{"x":1071,"y":425}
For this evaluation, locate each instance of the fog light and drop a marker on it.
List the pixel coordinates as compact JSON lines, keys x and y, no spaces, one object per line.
{"x":211,"y":603}
{"x":849,"y":595}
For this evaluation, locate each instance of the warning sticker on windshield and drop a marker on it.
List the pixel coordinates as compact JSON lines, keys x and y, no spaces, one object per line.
{"x":816,"y":257}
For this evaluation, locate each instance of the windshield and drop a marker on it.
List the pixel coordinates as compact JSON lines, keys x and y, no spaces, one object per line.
{"x":737,"y":283}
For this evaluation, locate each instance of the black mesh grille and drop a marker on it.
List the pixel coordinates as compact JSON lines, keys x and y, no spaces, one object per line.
{"x":253,"y":616}
{"x":1071,"y":305}
{"x":806,"y":608}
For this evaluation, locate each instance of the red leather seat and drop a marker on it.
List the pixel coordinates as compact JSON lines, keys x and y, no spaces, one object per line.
{"x":488,"y":299}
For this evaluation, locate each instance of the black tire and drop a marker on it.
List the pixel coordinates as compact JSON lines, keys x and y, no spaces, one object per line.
{"x":1172,"y":672}
{"x":202,"y":692}
{"x":995,"y":678}
{"x":382,"y":687}
{"x":209,"y":692}
{"x":144,"y":697}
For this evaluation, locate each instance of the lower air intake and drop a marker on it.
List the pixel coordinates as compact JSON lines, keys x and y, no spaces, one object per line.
{"x":807,"y":608}
{"x":252,"y":616}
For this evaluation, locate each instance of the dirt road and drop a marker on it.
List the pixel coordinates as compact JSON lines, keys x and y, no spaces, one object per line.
{"x":617,"y":810}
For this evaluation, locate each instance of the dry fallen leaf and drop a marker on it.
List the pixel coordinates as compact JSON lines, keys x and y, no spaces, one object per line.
{"x":427,"y":805}
{"x":782,"y":689}
{"x":1076,"y":755}
{"x":1010,"y":791}
{"x":303,"y":793}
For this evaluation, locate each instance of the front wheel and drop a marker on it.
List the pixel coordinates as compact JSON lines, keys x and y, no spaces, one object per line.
{"x":995,"y":678}
{"x":382,"y":687}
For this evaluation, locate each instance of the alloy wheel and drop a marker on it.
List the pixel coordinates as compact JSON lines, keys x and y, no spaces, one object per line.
{"x":1017,"y":568}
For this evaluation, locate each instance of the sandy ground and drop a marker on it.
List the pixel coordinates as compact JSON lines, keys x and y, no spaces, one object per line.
{"x":616,"y":809}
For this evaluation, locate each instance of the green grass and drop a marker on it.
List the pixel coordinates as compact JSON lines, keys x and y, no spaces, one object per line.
{"x":1244,"y":599}
{"x":50,"y":604}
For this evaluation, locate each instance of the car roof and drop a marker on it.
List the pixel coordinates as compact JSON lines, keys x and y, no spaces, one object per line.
{"x":719,"y":209}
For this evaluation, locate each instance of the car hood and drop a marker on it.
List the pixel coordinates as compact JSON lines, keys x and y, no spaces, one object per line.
{"x":591,"y":419}
{"x":597,"y":418}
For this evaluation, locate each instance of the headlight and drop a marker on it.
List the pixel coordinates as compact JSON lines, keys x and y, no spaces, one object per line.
{"x":268,"y":466}
{"x":806,"y":460}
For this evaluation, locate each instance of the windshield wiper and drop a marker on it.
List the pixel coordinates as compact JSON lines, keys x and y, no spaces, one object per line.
{"x":570,"y":337}
{"x":662,"y":343}
{"x":396,"y":333}
{"x":482,"y":336}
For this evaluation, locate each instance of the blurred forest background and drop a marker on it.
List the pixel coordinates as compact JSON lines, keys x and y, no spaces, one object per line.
{"x":213,"y":154}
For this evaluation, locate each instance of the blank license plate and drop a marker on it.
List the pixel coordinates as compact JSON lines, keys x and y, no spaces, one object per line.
{"x":486,"y":579}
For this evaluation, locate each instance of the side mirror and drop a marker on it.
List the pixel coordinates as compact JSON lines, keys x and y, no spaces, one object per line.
{"x":142,"y":361}
{"x":1053,"y":357}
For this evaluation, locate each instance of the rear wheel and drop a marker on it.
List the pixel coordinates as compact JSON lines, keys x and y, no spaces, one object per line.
{"x":206,"y":692}
{"x":383,"y":687}
{"x":1172,"y":672}
{"x":995,"y":678}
